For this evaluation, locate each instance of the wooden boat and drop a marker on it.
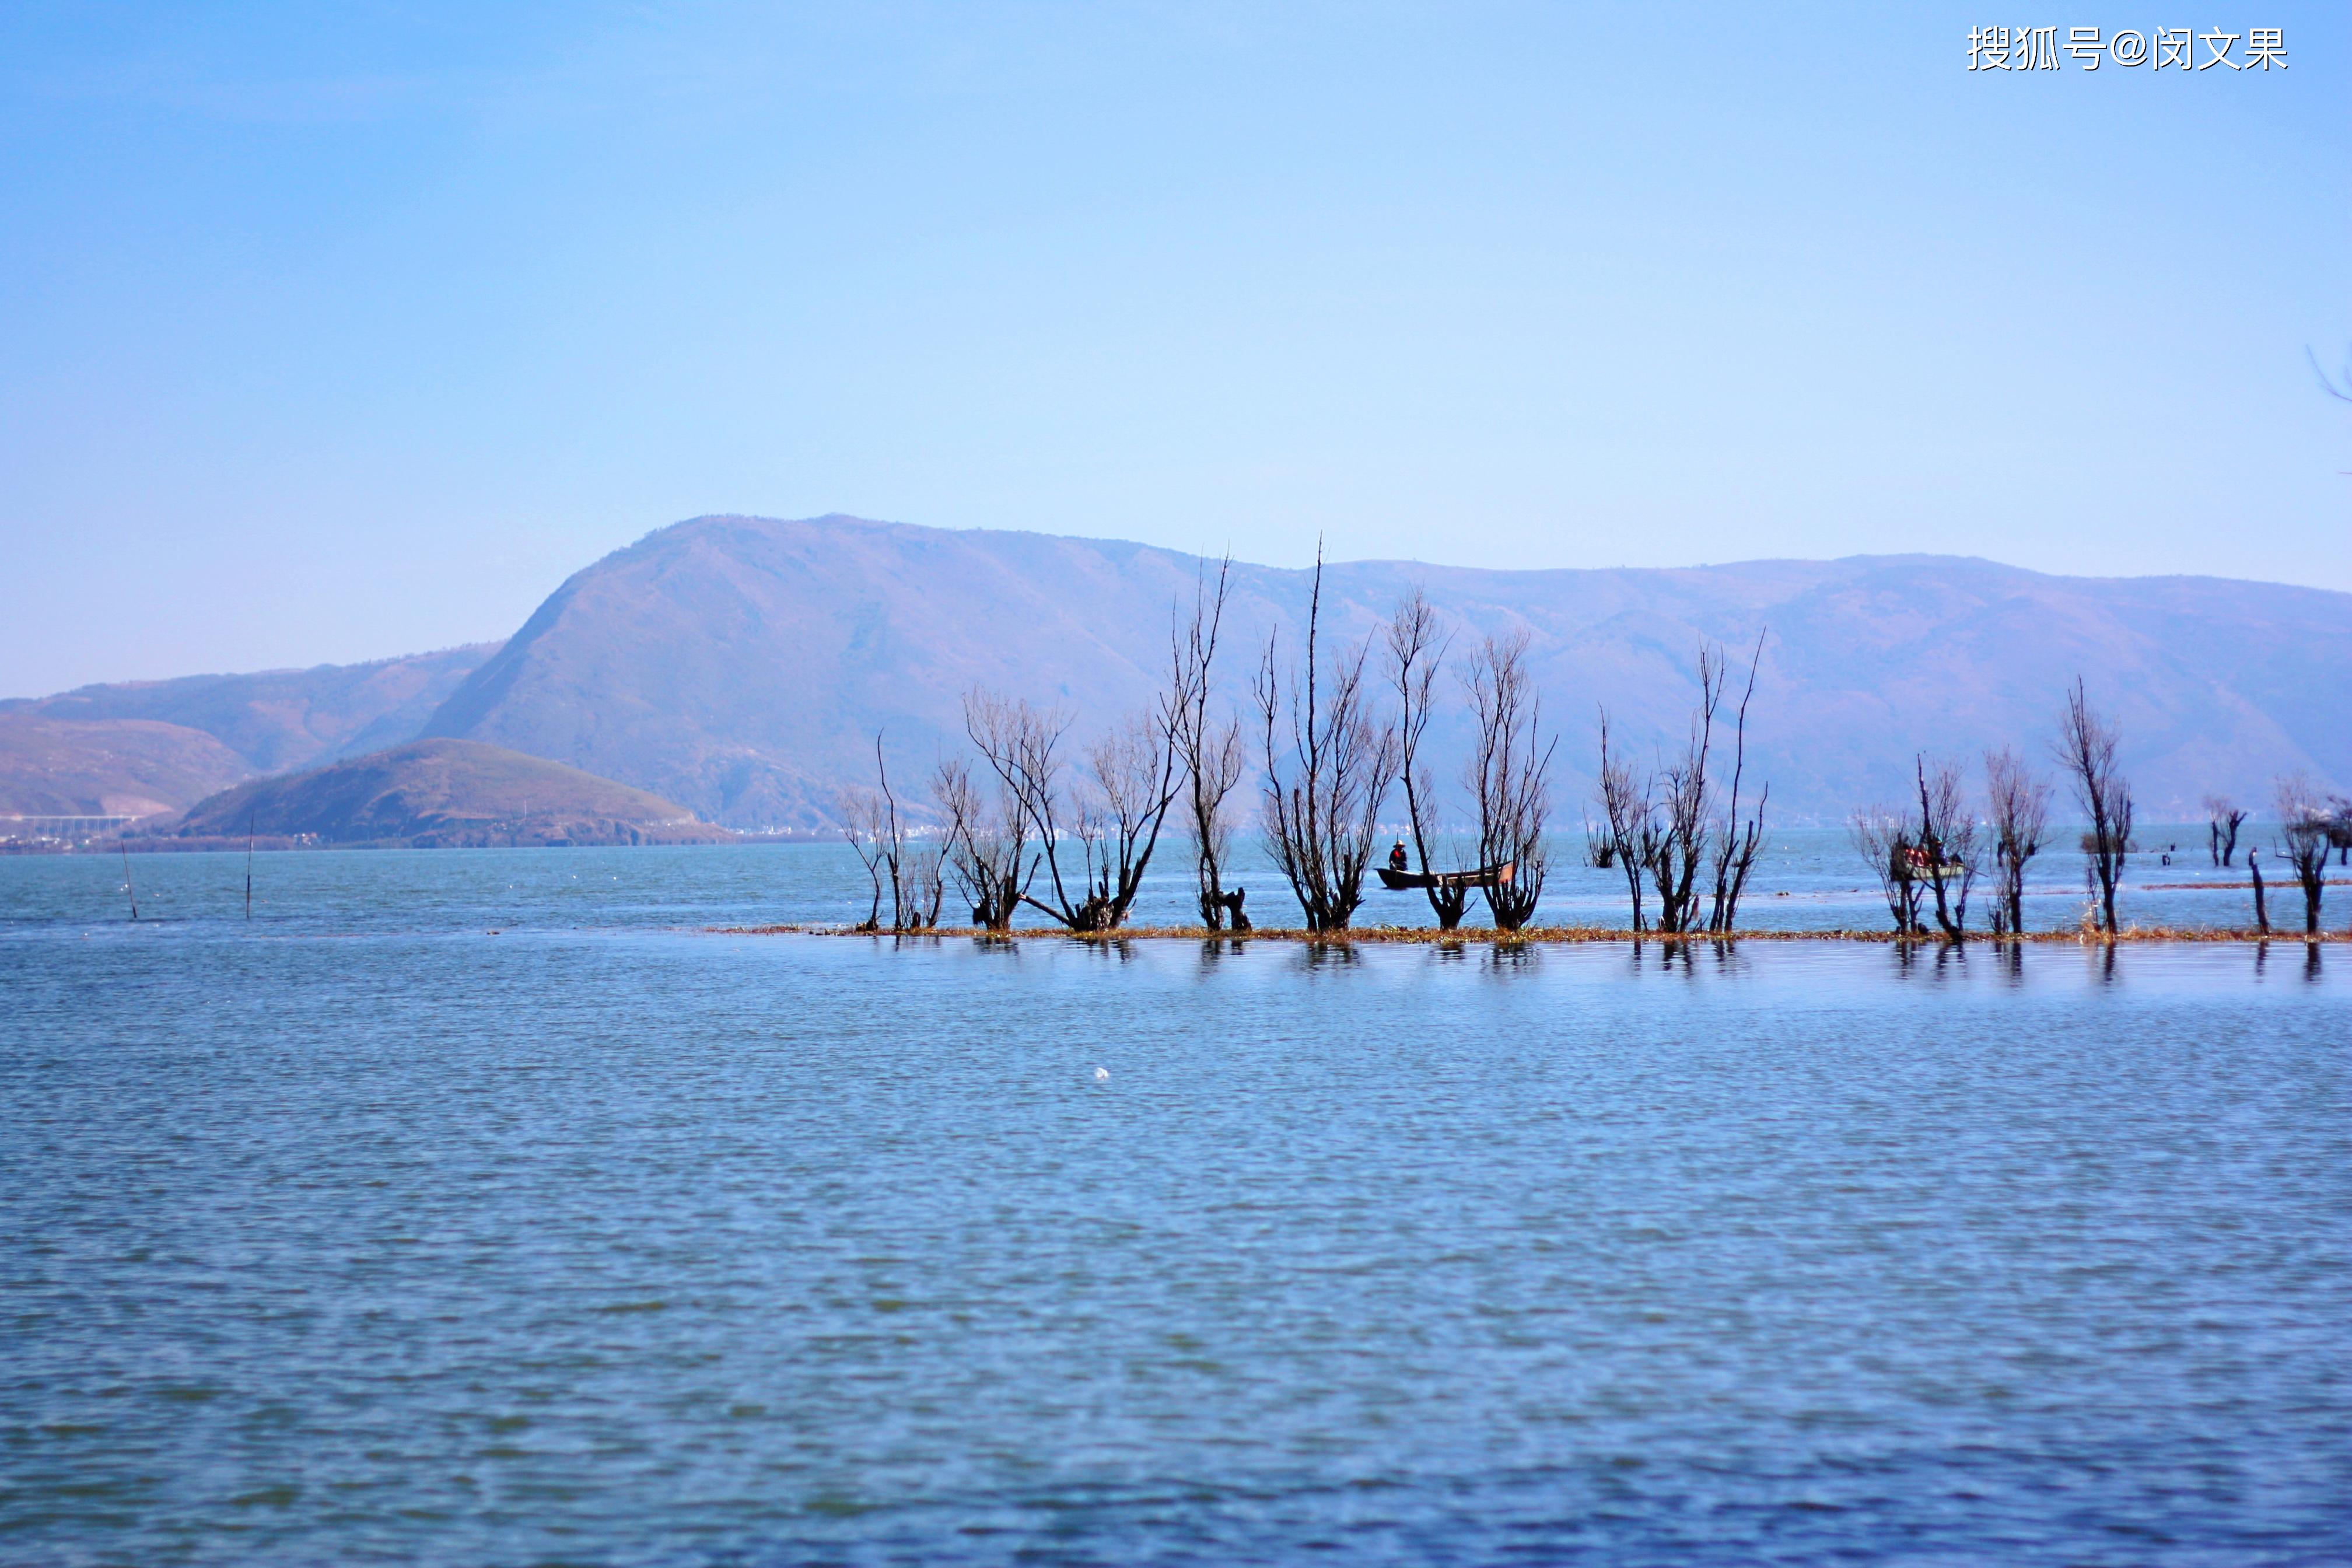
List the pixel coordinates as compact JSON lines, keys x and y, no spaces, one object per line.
{"x":1918,"y":866}
{"x":1483,"y":877}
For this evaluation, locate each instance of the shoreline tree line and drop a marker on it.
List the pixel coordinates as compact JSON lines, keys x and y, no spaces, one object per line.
{"x":1334,"y":734}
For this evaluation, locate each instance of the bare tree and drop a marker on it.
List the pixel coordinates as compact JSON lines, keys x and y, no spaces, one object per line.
{"x":2339,"y":827}
{"x":892,"y":857}
{"x":1509,"y":775}
{"x":1678,"y":835}
{"x":1736,"y":844}
{"x":1210,"y":756}
{"x":1946,"y":837}
{"x":1021,"y":745}
{"x":925,"y":881}
{"x":2222,"y":821}
{"x":1328,"y":768}
{"x":2302,"y":828}
{"x":1133,"y":778}
{"x":2086,"y":750}
{"x":2019,"y":807}
{"x":1625,"y":807}
{"x":2262,"y":909}
{"x":1416,"y":648}
{"x":986,"y":845}
{"x":866,"y":826}
{"x":1882,"y":835}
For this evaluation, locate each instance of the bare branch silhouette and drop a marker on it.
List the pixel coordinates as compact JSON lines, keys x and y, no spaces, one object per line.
{"x":1328,"y":766}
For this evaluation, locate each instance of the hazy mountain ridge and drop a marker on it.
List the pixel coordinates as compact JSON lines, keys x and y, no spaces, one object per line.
{"x":153,"y":746}
{"x":281,"y":719}
{"x":108,"y":767}
{"x":741,"y":665}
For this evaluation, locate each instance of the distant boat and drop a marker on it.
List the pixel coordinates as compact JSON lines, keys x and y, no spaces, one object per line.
{"x":1915,"y":864}
{"x":1483,"y":877}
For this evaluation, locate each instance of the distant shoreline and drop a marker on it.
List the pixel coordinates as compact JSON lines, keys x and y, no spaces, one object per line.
{"x":1551,"y":936}
{"x":264,"y":843}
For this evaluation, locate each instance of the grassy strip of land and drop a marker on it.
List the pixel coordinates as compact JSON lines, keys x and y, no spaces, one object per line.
{"x":1554,"y":936}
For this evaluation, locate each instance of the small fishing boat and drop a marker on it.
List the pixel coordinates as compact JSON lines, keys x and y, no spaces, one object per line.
{"x":1483,"y":877}
{"x":1912,"y":864}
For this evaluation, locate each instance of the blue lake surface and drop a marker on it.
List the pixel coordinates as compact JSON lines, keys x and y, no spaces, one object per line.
{"x":359,"y":1234}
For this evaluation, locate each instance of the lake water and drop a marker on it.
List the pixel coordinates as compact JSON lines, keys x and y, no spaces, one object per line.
{"x":1809,"y":879}
{"x":359,"y":1234}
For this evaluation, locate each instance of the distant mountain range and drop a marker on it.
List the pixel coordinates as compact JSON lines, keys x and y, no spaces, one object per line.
{"x":741,"y":667}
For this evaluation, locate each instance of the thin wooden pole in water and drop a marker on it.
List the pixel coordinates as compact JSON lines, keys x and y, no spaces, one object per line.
{"x":127,"y":885}
{"x":248,"y":863}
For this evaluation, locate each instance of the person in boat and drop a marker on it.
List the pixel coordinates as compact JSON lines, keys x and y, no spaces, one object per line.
{"x":1396,"y":857}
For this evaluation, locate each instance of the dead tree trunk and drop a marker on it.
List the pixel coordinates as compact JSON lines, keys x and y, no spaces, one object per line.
{"x":1510,"y":775}
{"x":1328,"y":768}
{"x":2302,"y":828}
{"x":2222,"y":821}
{"x":2086,"y":749}
{"x":1416,"y":648}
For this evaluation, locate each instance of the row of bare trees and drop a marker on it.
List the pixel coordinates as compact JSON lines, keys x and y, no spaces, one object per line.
{"x":1507,"y":775}
{"x":1932,"y":851}
{"x":1332,"y":754}
{"x":1069,"y":839}
{"x":1668,"y":827}
{"x":1937,"y":846}
{"x":1072,"y":839}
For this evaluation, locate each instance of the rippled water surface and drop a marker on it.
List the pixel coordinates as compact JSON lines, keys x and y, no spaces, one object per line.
{"x":361,"y":1234}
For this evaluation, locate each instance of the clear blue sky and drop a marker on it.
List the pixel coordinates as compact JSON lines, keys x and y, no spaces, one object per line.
{"x":338,"y":331}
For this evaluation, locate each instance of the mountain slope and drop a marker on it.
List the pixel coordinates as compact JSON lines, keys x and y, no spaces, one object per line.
{"x":742,"y":666}
{"x":113,"y":767}
{"x":283,"y":718}
{"x":446,"y":792}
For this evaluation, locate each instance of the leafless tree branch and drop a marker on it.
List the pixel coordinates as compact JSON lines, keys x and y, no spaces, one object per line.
{"x":1416,"y":649}
{"x":1509,"y":775}
{"x":1210,"y":754}
{"x":2086,"y":750}
{"x":2018,"y":808}
{"x":1328,"y":768}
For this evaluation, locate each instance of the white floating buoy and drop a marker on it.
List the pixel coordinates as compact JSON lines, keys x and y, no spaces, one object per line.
{"x":1102,"y":1075}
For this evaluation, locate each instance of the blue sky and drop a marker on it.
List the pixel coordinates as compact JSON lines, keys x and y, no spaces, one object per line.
{"x":335,"y":332}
